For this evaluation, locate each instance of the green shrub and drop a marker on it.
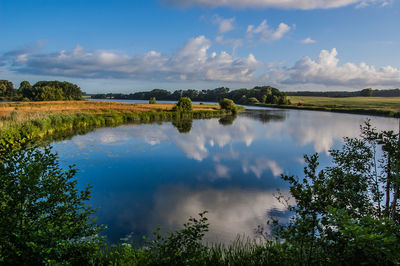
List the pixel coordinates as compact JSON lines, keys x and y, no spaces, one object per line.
{"x":184,"y":105}
{"x":152,"y":100}
{"x":44,"y":219}
{"x":229,"y":105}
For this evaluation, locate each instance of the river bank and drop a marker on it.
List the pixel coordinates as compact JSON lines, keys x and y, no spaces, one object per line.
{"x":23,"y":122}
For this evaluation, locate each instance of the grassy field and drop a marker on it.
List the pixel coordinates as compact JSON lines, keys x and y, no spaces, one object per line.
{"x":382,"y":106}
{"x":23,"y":122}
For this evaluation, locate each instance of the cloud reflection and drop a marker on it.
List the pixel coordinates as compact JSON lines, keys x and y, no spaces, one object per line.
{"x":229,"y":210}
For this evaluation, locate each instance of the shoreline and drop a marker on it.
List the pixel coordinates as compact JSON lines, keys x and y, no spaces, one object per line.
{"x":18,"y":128}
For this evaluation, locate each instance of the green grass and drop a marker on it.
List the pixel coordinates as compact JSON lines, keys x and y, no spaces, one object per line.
{"x":15,"y":131}
{"x":380,"y":106}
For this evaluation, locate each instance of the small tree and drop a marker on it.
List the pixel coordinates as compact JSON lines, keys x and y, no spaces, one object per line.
{"x":349,"y":213}
{"x":184,"y":105}
{"x":229,"y":105}
{"x":152,"y":100}
{"x":43,"y":216}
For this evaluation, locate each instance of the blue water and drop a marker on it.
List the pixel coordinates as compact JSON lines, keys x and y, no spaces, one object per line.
{"x":150,"y":175}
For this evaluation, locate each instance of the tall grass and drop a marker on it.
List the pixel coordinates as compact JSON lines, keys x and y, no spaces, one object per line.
{"x":16,"y":128}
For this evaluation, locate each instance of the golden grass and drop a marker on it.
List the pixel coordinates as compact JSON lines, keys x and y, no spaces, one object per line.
{"x":24,"y":111}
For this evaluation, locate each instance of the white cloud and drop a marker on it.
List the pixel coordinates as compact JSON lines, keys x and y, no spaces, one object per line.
{"x":307,"y":40}
{"x":286,"y":4}
{"x":325,"y":70}
{"x":194,"y":62}
{"x":191,"y":62}
{"x":259,"y":165}
{"x":224,"y":24}
{"x":265,"y":33}
{"x":229,"y":210}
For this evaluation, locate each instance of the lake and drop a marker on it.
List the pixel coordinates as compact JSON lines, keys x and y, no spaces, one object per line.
{"x":150,"y":175}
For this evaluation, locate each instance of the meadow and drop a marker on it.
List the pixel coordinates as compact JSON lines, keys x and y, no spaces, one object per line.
{"x":383,"y":106}
{"x":22,"y":122}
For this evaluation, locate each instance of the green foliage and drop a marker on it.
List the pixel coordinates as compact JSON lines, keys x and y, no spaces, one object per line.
{"x":184,"y":105}
{"x":366,"y":92}
{"x":69,"y":91}
{"x":40,"y":91}
{"x":43,"y":216}
{"x":8,"y":84}
{"x":183,"y":126}
{"x":47,"y":93}
{"x":229,"y":105}
{"x":253,"y":100}
{"x":227,"y":120}
{"x":152,"y":100}
{"x":25,"y":88}
{"x":349,"y":212}
{"x":3,"y":89}
{"x":264,"y":94}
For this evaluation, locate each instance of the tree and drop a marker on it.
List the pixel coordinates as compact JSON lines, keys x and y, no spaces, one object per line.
{"x":152,"y":100}
{"x":48,"y":93}
{"x":25,"y":88}
{"x":366,"y":92}
{"x":3,"y":89}
{"x":229,"y":105}
{"x":69,"y":90}
{"x":8,"y":84}
{"x":184,"y":105}
{"x":348,"y":212}
{"x":43,"y":216}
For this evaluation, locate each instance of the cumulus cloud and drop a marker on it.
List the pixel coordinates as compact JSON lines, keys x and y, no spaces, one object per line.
{"x":195,"y":62}
{"x":287,"y":4}
{"x":224,"y":24}
{"x":325,"y":70}
{"x":307,"y":40}
{"x":265,"y":33}
{"x":191,"y":62}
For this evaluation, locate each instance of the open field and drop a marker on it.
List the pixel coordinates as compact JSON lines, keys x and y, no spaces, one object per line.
{"x":88,"y":107}
{"x":381,"y":106}
{"x":381,"y":103}
{"x":24,"y":111}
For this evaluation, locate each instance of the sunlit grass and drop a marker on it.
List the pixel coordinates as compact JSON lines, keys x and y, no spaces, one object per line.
{"x":21,"y":122}
{"x":381,"y":103}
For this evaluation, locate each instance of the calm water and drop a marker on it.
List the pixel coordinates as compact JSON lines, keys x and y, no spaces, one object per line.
{"x":150,"y":175}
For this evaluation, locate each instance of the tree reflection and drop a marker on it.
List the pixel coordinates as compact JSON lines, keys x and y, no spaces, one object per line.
{"x":227,"y":120}
{"x":266,"y":116}
{"x":183,"y":126}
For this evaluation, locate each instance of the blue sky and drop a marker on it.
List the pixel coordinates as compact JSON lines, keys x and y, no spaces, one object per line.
{"x":125,"y":46}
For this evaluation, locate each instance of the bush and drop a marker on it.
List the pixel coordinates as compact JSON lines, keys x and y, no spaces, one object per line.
{"x":152,"y":100}
{"x":44,"y":219}
{"x":348,"y":213}
{"x":184,"y":105}
{"x":229,"y":105}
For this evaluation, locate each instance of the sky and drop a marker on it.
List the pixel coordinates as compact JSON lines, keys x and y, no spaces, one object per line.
{"x":127,"y":45}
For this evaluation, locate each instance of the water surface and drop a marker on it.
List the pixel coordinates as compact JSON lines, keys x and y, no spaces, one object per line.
{"x":150,"y":175}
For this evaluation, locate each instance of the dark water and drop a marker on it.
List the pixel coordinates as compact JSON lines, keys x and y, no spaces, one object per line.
{"x":144,"y":176}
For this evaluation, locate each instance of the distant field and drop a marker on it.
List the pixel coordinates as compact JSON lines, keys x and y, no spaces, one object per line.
{"x":387,"y":106}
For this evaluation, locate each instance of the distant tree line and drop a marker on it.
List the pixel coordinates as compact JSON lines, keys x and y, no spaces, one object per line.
{"x":40,"y":91}
{"x":369,"y":92}
{"x":264,"y":94}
